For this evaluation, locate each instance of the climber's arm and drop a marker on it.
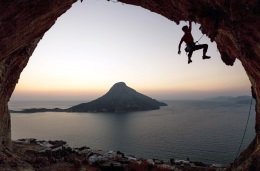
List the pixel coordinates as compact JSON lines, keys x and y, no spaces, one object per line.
{"x":179,"y":49}
{"x":190,"y":26}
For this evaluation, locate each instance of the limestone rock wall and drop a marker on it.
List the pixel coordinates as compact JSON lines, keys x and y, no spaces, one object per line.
{"x":22,"y":25}
{"x":10,"y":69}
{"x":233,"y":24}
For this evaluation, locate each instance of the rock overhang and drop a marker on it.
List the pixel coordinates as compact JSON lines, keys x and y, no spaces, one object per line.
{"x":233,"y":25}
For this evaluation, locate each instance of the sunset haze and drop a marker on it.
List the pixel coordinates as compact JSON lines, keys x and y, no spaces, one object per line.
{"x":98,"y":43}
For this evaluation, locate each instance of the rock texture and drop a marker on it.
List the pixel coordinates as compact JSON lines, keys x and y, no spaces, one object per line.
{"x":120,"y":98}
{"x":233,"y":24}
{"x":22,"y":25}
{"x":59,"y":156}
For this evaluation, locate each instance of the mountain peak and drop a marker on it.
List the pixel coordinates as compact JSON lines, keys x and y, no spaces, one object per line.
{"x":120,"y":98}
{"x":119,"y":88}
{"x":119,"y":84}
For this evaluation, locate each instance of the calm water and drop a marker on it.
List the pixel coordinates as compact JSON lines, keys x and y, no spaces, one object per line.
{"x":201,"y":130}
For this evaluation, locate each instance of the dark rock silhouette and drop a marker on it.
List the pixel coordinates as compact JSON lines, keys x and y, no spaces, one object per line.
{"x":36,"y":110}
{"x":120,"y":98}
{"x":233,"y":25}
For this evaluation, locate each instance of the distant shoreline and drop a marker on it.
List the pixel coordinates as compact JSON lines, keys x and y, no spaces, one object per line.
{"x":231,"y":99}
{"x":40,"y":110}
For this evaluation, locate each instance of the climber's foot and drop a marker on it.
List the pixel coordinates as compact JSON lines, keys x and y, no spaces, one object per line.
{"x":205,"y":57}
{"x":189,"y":61}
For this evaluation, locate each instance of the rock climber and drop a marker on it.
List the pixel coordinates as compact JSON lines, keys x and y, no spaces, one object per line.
{"x":190,"y":44}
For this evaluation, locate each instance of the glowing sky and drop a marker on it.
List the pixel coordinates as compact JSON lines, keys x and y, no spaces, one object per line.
{"x":98,"y":43}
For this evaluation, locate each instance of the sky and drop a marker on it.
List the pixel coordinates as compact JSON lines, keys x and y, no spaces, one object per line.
{"x":98,"y":43}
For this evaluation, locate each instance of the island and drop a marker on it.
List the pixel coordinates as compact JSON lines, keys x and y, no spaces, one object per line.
{"x":120,"y":98}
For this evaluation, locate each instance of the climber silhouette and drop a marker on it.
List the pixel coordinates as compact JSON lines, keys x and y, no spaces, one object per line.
{"x":190,"y":44}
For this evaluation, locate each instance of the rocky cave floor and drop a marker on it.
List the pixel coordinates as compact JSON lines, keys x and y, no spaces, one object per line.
{"x":35,"y":155}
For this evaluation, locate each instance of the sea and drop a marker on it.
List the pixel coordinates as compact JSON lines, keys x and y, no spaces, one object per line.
{"x":208,"y":131}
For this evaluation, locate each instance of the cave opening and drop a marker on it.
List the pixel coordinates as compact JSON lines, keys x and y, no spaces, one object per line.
{"x":158,"y":53}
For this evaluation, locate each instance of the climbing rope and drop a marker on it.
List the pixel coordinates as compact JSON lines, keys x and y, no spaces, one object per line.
{"x":242,"y":140}
{"x":199,"y":39}
{"x":196,"y":42}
